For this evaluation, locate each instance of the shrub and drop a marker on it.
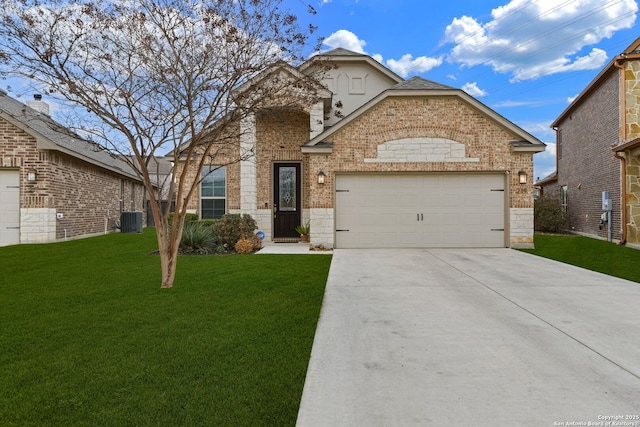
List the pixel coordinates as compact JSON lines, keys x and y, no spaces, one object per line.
{"x":196,"y":238}
{"x":548,"y":215}
{"x":244,"y":246}
{"x":257,"y":241}
{"x":208,"y":222}
{"x":232,"y":227}
{"x":190,"y":217}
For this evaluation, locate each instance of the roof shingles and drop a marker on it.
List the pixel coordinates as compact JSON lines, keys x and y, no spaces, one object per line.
{"x":418,"y":83}
{"x":62,"y":137}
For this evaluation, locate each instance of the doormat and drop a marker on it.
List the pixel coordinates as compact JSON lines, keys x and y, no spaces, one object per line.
{"x":286,"y":240}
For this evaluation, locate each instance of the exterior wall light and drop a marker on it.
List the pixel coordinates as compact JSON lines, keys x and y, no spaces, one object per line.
{"x":522,"y":177}
{"x":321,"y":177}
{"x":31,"y":175}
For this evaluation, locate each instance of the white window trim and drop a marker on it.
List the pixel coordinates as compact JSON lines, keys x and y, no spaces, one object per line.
{"x":212,"y":197}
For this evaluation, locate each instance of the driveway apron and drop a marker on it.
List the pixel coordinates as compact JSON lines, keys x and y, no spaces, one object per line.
{"x":480,"y":337}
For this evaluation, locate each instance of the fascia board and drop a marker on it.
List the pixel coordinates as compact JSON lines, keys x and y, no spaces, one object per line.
{"x":630,"y":145}
{"x":529,"y":149}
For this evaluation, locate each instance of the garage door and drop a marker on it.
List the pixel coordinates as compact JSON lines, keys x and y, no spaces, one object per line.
{"x":9,"y":207}
{"x":420,"y":211}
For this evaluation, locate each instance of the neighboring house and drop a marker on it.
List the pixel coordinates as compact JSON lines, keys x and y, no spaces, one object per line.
{"x":53,"y":184}
{"x":403,"y":164}
{"x":598,"y":150}
{"x":161,"y":173}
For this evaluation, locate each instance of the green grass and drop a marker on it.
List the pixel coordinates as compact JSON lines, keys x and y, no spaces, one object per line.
{"x":88,"y":337}
{"x":592,"y":254}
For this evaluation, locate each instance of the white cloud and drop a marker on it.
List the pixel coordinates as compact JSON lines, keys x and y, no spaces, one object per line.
{"x":404,"y":66}
{"x":510,"y":104}
{"x":571,"y":99}
{"x":407,"y":64}
{"x":541,"y":130}
{"x":544,"y":164}
{"x":473,"y":89}
{"x":346,"y":40}
{"x":533,"y":39}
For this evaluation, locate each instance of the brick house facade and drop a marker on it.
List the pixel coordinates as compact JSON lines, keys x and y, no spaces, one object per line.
{"x":396,"y":131}
{"x":597,"y":143}
{"x":60,"y":186}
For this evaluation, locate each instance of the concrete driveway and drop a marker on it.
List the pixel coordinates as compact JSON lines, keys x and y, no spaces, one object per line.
{"x":490,"y":337}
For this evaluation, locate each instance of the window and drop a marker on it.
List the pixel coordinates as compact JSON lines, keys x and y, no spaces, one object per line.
{"x":559,"y":142}
{"x":213,"y":192}
{"x":564,"y":198}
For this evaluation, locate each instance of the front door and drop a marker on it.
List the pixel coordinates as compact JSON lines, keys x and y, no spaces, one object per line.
{"x":286,"y":199}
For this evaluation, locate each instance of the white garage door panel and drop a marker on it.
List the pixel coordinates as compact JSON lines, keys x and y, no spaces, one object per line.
{"x":9,"y":207}
{"x":404,"y":211}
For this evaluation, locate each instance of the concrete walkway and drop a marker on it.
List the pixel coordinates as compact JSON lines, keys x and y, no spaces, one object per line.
{"x":290,"y":249}
{"x":491,"y":337}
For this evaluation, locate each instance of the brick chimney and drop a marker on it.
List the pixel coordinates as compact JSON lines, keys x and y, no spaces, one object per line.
{"x":38,"y":105}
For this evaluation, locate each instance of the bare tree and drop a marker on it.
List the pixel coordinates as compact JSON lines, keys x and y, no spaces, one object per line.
{"x":159,"y":76}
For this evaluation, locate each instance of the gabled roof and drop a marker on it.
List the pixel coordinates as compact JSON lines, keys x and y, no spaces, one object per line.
{"x":631,"y":52}
{"x":322,"y":92}
{"x":51,"y":135}
{"x":344,"y":55}
{"x":552,"y":177}
{"x":417,"y":86}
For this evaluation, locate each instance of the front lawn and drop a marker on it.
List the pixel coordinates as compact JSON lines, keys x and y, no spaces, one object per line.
{"x":88,"y":337}
{"x":592,"y":254}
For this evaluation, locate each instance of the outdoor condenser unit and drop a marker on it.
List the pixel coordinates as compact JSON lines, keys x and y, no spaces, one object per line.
{"x":131,"y":222}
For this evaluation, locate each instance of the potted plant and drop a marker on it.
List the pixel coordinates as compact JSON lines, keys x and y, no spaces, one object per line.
{"x":303,"y":231}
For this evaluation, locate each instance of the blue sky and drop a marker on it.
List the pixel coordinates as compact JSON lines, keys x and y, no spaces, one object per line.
{"x":525,"y":59}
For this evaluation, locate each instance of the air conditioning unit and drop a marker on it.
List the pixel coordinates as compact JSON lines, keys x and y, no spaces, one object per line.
{"x":131,"y":222}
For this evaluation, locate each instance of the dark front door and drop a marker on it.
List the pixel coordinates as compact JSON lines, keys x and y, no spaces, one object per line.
{"x":286,"y":199}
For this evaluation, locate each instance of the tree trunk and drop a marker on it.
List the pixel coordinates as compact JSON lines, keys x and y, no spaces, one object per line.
{"x":168,"y":254}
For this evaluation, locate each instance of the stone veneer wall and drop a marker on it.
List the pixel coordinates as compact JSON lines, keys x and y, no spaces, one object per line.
{"x":322,"y":221}
{"x":37,"y":225}
{"x":80,"y":191}
{"x":521,"y":227}
{"x":632,"y":99}
{"x":248,"y":175}
{"x":632,"y":121}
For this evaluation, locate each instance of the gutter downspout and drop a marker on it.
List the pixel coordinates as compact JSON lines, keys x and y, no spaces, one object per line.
{"x":623,"y":160}
{"x":623,"y":173}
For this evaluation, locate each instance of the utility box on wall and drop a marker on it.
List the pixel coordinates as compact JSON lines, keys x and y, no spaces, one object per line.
{"x":131,"y":222}
{"x":606,"y":201}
